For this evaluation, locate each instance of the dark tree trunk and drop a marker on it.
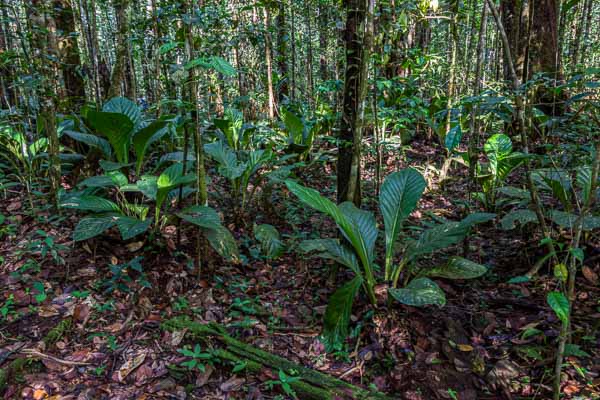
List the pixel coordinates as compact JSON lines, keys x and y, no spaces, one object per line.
{"x":282,"y":53}
{"x":118,"y":79}
{"x":358,"y":38}
{"x":69,"y":55}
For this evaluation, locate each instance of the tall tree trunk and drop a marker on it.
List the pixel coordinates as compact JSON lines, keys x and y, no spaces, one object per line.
{"x":451,"y":81}
{"x":68,"y":53}
{"x":358,"y":38}
{"x":478,"y":85}
{"x":118,"y":77}
{"x":586,"y":31}
{"x":514,"y":19}
{"x":293,"y":40}
{"x":543,"y":52}
{"x":8,"y":97}
{"x":282,"y":53}
{"x":45,"y":46}
{"x":269,"y":63}
{"x":309,"y":59}
{"x":323,"y":42}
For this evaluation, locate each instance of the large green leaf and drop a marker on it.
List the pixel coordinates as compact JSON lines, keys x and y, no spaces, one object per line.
{"x":229,"y":166}
{"x":92,"y":141}
{"x":523,"y":217}
{"x":270,"y":240}
{"x":497,"y":147}
{"x":337,"y":314}
{"x":294,"y":126}
{"x":222,"y":66}
{"x":90,"y":227}
{"x":560,"y":305}
{"x":171,"y":178}
{"x":223,"y":242}
{"x":399,"y":196}
{"x":126,"y":107}
{"x":145,"y":137}
{"x":219,"y":237}
{"x":131,"y":227}
{"x":202,"y":216}
{"x":570,"y":221}
{"x":419,"y":292}
{"x":90,"y":203}
{"x":364,"y":232}
{"x":332,"y":249}
{"x":458,"y":268}
{"x":116,"y":127}
{"x":313,"y":198}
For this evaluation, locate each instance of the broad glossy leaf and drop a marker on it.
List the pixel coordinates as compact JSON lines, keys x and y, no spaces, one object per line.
{"x":399,"y":195}
{"x":109,"y":166}
{"x":202,"y":216}
{"x":337,"y":314}
{"x":90,"y":227}
{"x":145,"y":137}
{"x":364,"y":231}
{"x":223,"y":242}
{"x":92,"y":141}
{"x":570,"y":221}
{"x":453,"y":138}
{"x":523,"y":217}
{"x":126,"y":107}
{"x":458,"y":268}
{"x":560,"y":305}
{"x":131,"y":227}
{"x":116,"y":127}
{"x":420,"y":292}
{"x":332,"y":249}
{"x":294,"y":126}
{"x":90,"y":203}
{"x":313,"y":199}
{"x":171,"y":178}
{"x":229,"y":166}
{"x":222,"y":66}
{"x":270,"y":241}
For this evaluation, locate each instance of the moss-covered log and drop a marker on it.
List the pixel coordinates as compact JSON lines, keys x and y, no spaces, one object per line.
{"x":312,"y":385}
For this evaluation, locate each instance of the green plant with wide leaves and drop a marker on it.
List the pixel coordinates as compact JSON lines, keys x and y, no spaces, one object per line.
{"x":301,"y":134}
{"x":117,"y":128}
{"x":131,"y":216}
{"x":502,"y":160}
{"x":398,"y":198}
{"x":23,"y":157}
{"x":240,"y":167}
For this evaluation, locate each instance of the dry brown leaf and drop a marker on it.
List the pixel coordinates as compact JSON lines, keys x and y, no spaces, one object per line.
{"x":135,"y":246}
{"x":590,"y":275}
{"x":129,"y":366}
{"x":232,"y":384}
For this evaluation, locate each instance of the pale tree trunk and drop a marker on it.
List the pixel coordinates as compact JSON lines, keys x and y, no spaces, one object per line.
{"x":269,"y":63}
{"x":358,"y":37}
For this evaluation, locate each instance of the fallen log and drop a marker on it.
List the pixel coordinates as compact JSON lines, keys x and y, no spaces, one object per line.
{"x":313,"y":385}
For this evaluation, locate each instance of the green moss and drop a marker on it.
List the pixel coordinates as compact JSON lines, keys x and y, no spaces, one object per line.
{"x":56,"y":333}
{"x":312,"y":385}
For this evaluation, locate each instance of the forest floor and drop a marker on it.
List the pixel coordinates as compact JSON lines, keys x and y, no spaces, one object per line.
{"x":493,"y":339}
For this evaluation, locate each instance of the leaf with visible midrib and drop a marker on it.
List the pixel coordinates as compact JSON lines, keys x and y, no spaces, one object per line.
{"x":337,"y":314}
{"x":560,"y":305}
